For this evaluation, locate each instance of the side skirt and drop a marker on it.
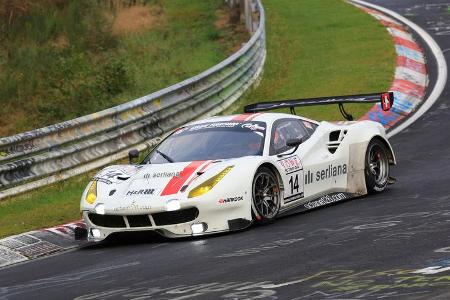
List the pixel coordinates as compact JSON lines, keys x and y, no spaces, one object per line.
{"x":319,"y":202}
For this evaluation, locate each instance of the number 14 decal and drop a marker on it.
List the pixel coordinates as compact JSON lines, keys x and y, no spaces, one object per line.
{"x":292,"y":177}
{"x":293,"y":182}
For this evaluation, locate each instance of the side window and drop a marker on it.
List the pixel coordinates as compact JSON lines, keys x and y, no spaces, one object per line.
{"x":310,"y":127}
{"x":284,"y":130}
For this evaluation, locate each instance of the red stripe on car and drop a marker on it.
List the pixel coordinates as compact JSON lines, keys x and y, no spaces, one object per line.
{"x":202,"y":169}
{"x":252,"y":117}
{"x":176,"y":183}
{"x":245,"y":117}
{"x":241,"y":117}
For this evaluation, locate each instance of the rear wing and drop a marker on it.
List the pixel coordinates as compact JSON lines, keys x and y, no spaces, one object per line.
{"x":386,"y":100}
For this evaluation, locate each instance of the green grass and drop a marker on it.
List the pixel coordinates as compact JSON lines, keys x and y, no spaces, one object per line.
{"x":315,"y":48}
{"x":322,"y":48}
{"x":49,"y":206}
{"x":54,"y":57}
{"x":186,"y":46}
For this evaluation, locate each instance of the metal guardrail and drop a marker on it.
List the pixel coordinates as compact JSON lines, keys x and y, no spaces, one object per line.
{"x":99,"y":138}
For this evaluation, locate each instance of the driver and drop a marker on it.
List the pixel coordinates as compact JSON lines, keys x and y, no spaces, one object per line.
{"x":280,"y":138}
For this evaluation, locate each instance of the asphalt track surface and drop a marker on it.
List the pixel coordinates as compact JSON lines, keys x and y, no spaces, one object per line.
{"x":360,"y":249}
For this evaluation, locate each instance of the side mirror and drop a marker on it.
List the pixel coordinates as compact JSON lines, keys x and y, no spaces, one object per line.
{"x":133,"y":155}
{"x":294,"y":142}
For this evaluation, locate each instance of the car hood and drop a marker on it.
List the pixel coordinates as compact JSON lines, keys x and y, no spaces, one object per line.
{"x":135,"y":188}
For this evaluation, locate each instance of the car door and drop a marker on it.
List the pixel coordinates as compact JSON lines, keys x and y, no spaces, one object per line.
{"x":288,"y":162}
{"x":325,"y":162}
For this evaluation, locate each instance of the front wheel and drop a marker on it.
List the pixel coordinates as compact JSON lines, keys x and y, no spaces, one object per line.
{"x":266,"y":195}
{"x":376,"y":167}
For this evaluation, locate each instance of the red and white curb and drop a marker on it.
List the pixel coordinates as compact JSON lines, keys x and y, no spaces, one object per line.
{"x":386,"y":17}
{"x":39,"y":243}
{"x":410,"y":79}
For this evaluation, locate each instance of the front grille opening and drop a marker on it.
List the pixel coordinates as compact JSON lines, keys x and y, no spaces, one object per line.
{"x":107,"y":221}
{"x":139,"y":221}
{"x":175,"y":217}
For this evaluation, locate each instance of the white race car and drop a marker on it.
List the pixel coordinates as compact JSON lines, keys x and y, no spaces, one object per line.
{"x":225,"y":173}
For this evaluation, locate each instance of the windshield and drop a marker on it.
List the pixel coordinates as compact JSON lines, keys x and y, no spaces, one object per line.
{"x":210,"y":141}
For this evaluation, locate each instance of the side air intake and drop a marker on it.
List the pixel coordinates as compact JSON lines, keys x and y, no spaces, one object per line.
{"x":335,"y":140}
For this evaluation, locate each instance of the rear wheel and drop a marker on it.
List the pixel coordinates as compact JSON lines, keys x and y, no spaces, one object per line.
{"x":376,"y":167}
{"x":266,"y":195}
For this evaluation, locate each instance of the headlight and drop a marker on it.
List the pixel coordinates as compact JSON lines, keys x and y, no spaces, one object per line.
{"x":209,"y":184}
{"x":91,"y":194}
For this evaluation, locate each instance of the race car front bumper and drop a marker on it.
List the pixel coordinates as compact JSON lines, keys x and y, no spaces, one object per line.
{"x":182,"y":223}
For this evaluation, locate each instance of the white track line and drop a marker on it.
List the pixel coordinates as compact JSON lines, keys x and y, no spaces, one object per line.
{"x":440,"y":59}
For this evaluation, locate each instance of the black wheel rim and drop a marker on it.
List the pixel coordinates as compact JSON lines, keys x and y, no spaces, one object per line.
{"x":266,"y":195}
{"x":378,"y":165}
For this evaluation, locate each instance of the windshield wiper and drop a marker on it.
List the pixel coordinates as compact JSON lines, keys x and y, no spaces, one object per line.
{"x":166,"y":157}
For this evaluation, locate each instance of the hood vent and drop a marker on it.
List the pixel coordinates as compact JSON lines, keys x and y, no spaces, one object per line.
{"x":335,"y":139}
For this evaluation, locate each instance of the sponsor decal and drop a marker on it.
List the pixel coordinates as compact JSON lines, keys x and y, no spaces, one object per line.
{"x":141,"y":192}
{"x":291,"y":164}
{"x":324,"y":200}
{"x":231,"y":199}
{"x":214,"y":125}
{"x":253,"y":126}
{"x":115,"y":174}
{"x":133,"y":207}
{"x":163,"y":175}
{"x":330,"y":172}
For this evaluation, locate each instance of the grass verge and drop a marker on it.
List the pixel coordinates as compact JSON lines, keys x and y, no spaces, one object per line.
{"x":322,"y":48}
{"x":315,"y":48}
{"x":88,"y":56}
{"x":48,"y":206}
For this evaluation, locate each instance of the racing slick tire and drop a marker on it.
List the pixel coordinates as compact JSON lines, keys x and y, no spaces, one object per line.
{"x":376,"y":169}
{"x":266,"y":196}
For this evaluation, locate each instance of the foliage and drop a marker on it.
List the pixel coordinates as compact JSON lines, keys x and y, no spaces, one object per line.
{"x":60,"y":59}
